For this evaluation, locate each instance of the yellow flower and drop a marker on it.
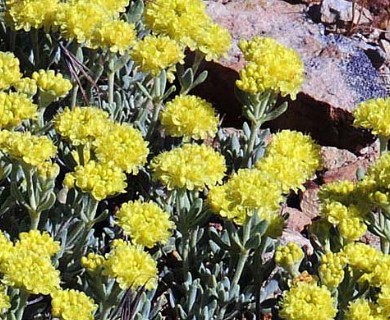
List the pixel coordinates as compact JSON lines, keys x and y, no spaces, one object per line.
{"x":124,"y":146}
{"x":112,"y":6}
{"x":27,"y":86}
{"x":37,"y":242}
{"x":101,"y":180}
{"x":145,"y":222}
{"x":331,"y":270}
{"x":14,"y":108}
{"x":270,"y":66}
{"x":24,"y":147}
{"x":77,"y":20}
{"x":352,"y":228}
{"x":30,"y":271}
{"x":275,"y":223}
{"x":377,"y":276}
{"x":9,"y":70}
{"x":181,"y":20}
{"x":81,"y":125}
{"x":212,"y":40}
{"x":289,"y":257}
{"x":6,"y":246}
{"x":338,"y":191}
{"x":189,"y":117}
{"x":156,"y":53}
{"x":374,"y":114}
{"x":131,"y":266}
{"x":362,"y":309}
{"x":72,"y":304}
{"x":384,"y":300}
{"x":192,"y":167}
{"x":246,"y":191}
{"x":48,"y":170}
{"x":116,"y":35}
{"x":93,"y":262}
{"x":5,"y":301}
{"x":306,"y":302}
{"x":27,"y":14}
{"x":51,"y":83}
{"x":361,"y":256}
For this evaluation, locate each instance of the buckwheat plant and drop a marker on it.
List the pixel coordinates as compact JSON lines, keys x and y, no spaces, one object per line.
{"x":123,"y":197}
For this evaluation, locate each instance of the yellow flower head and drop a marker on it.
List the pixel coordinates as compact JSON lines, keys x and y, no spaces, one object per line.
{"x":307,"y":301}
{"x":378,"y":275}
{"x":40,"y":243}
{"x":252,"y":190}
{"x":289,"y":257}
{"x":93,"y":262}
{"x":181,"y":20}
{"x":9,"y":70}
{"x":192,"y":167}
{"x":24,"y":147}
{"x":340,"y":191}
{"x":374,"y":114}
{"x":362,"y":309}
{"x":77,"y":20}
{"x":246,"y":191}
{"x":189,"y":117}
{"x":212,"y":40}
{"x":27,"y":86}
{"x":352,"y":228}
{"x":270,"y":66}
{"x":101,"y":180}
{"x":145,"y":222}
{"x":72,"y":304}
{"x":154,"y":54}
{"x":124,"y":146}
{"x":6,"y":246}
{"x":5,"y":301}
{"x":27,"y":14}
{"x":81,"y":125}
{"x":112,"y":6}
{"x":361,"y":256}
{"x":131,"y":266}
{"x":30,"y":271}
{"x":331,"y":270}
{"x":384,"y":301}
{"x":115,"y":35}
{"x":48,"y":170}
{"x":14,"y":108}
{"x":51,"y":83}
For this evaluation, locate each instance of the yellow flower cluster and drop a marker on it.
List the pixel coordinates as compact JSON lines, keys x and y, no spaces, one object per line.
{"x":289,"y":257}
{"x":27,"y":14}
{"x":48,"y":170}
{"x":131,"y":266}
{"x":77,"y":20}
{"x":374,"y":114}
{"x":116,"y":35}
{"x":145,"y":222}
{"x":270,"y":66}
{"x":361,"y":256}
{"x":384,"y":301}
{"x":187,"y":23}
{"x":362,"y":309}
{"x":246,"y":191}
{"x":331,"y":270}
{"x":290,"y":159}
{"x":14,"y":108}
{"x":307,"y":301}
{"x":377,"y":276}
{"x":93,"y":262}
{"x":27,"y":86}
{"x":112,"y":6}
{"x":29,"y":149}
{"x":101,"y":180}
{"x":192,"y":167}
{"x":72,"y":304}
{"x":189,"y":117}
{"x":81,"y":125}
{"x":9,"y":70}
{"x":5,"y":301}
{"x":6,"y":246}
{"x":155,"y":53}
{"x":124,"y":146}
{"x":51,"y":83}
{"x":27,"y":265}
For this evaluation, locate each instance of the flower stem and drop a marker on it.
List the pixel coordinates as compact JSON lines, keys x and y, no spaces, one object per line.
{"x":153,"y":123}
{"x":35,"y":42}
{"x":240,"y":266}
{"x":75,"y":90}
{"x":251,"y":143}
{"x":111,"y":78}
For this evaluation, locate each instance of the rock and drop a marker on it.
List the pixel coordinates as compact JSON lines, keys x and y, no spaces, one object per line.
{"x":338,"y":74}
{"x":386,"y":34}
{"x":346,"y":172}
{"x":339,"y":15}
{"x":297,"y":219}
{"x":334,"y":158}
{"x":296,"y":237}
{"x":385,"y":45}
{"x":309,"y":204}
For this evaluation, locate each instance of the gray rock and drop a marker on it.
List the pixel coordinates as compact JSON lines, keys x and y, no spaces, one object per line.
{"x":339,"y":14}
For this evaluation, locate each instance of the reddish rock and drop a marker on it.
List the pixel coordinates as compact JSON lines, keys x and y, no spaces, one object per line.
{"x":297,"y":219}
